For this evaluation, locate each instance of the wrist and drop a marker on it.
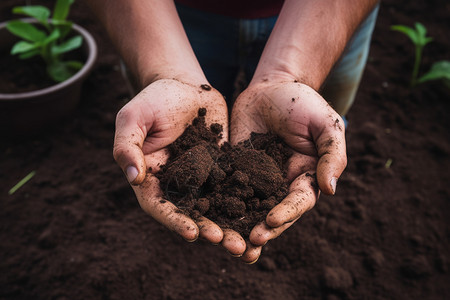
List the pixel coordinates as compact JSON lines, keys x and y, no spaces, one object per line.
{"x":193,"y":78}
{"x":308,"y":39}
{"x":151,"y":40}
{"x":277,"y":76}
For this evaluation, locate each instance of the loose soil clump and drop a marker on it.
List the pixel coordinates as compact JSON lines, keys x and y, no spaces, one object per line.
{"x":234,"y":186}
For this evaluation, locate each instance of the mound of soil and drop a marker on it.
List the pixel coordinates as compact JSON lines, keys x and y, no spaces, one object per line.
{"x":234,"y":186}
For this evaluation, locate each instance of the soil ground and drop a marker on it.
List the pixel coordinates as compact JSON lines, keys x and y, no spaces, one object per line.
{"x":76,"y":231}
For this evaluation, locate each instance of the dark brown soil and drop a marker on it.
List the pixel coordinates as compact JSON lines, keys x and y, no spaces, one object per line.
{"x":26,"y":75}
{"x":234,"y":186}
{"x":20,"y":76}
{"x":76,"y":231}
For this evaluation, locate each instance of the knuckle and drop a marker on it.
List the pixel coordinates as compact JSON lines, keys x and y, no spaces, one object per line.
{"x":125,"y":113}
{"x":118,"y":153}
{"x":343,"y":160}
{"x":122,"y":112}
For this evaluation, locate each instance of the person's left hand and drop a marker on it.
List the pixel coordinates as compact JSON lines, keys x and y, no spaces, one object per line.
{"x":316,"y":133}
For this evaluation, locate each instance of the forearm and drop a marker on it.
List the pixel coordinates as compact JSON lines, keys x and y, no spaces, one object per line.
{"x":308,"y":39}
{"x":151,"y":39}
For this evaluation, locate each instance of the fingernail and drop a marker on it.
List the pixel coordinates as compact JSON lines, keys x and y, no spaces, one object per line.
{"x":131,"y":173}
{"x":333,"y":183}
{"x":234,"y":255}
{"x":252,"y":262}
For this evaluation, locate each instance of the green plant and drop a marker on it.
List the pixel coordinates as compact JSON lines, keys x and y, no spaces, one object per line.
{"x":418,"y":35}
{"x":51,"y":40}
{"x":420,"y":40}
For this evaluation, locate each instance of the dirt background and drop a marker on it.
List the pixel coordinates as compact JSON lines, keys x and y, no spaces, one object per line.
{"x":76,"y":231}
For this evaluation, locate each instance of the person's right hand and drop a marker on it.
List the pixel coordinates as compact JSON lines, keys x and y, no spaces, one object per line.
{"x":311,"y":128}
{"x":145,"y":126}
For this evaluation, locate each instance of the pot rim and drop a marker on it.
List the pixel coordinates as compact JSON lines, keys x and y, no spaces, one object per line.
{"x":90,"y":61}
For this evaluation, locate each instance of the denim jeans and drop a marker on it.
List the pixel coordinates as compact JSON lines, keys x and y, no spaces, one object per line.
{"x":224,"y":46}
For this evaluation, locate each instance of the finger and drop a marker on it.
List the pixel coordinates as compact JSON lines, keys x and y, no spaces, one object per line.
{"x":128,"y":141}
{"x":209,"y":230}
{"x":155,"y":160}
{"x":150,"y":198}
{"x":217,"y":112}
{"x":239,"y":128}
{"x":301,"y":198}
{"x":233,"y":242}
{"x":246,"y":118}
{"x":298,"y":164}
{"x":262,"y":233}
{"x":332,"y":155}
{"x":251,"y":254}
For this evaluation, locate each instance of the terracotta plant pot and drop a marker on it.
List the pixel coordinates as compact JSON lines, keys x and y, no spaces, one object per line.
{"x":31,"y":112}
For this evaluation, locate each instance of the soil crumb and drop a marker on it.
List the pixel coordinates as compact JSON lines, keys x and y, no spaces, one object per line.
{"x":234,"y":186}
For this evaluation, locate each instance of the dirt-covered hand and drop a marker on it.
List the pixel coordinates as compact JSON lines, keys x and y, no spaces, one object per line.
{"x":151,"y":121}
{"x":316,"y":133}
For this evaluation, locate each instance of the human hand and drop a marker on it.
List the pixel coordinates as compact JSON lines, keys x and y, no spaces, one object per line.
{"x":307,"y":124}
{"x":151,"y":121}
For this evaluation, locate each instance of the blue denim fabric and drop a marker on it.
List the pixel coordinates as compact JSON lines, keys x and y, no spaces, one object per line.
{"x":343,"y":81}
{"x":225,"y":45}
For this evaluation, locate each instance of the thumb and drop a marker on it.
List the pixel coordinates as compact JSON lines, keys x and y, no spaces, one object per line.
{"x":332,"y":159}
{"x":128,"y":142}
{"x":329,"y":169}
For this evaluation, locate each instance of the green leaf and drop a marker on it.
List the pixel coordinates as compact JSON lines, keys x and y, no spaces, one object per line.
{"x":69,"y":45}
{"x":60,"y":71}
{"x":439,"y":70}
{"x":61,"y":9}
{"x":74,"y":64}
{"x":420,"y":29}
{"x":54,"y":35}
{"x":422,"y":38}
{"x":64,"y":26}
{"x":41,"y":13}
{"x":408,"y":31}
{"x":22,"y":46}
{"x":26,"y":31}
{"x":29,"y":54}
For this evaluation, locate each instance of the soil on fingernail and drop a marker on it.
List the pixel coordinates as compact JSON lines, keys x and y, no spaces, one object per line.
{"x":234,"y":186}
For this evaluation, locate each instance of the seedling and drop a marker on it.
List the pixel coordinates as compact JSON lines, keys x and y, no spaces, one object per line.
{"x":418,"y":35}
{"x":420,"y":40}
{"x":50,"y":41}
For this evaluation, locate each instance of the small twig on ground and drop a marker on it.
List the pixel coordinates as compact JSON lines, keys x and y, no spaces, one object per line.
{"x":21,"y":182}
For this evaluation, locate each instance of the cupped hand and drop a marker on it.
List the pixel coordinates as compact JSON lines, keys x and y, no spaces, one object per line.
{"x":145,"y":126}
{"x":315,"y":132}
